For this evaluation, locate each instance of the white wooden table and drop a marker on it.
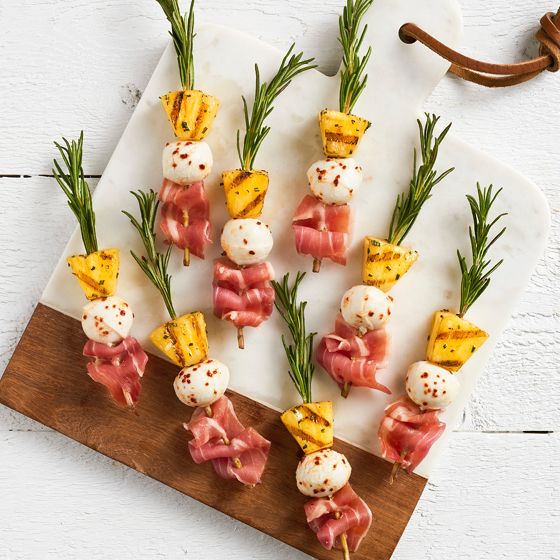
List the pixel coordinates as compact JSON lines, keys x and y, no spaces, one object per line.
{"x":72,"y":64}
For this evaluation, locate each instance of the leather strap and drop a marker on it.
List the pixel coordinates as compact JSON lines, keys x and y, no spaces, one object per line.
{"x":496,"y":75}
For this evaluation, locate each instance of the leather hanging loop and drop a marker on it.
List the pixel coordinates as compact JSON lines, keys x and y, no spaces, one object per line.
{"x":496,"y":75}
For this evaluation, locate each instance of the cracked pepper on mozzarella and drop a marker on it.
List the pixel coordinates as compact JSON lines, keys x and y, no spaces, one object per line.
{"x":366,"y":307}
{"x":335,"y":180}
{"x":202,"y":384}
{"x":322,"y":473}
{"x":247,"y":241}
{"x":186,"y":162}
{"x":431,"y":387}
{"x":107,"y":320}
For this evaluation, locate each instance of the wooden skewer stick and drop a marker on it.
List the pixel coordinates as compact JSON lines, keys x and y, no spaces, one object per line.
{"x":346,"y":389}
{"x":316,"y":265}
{"x":186,"y":252}
{"x":128,"y":399}
{"x":237,"y":462}
{"x":208,"y":410}
{"x":396,"y":467}
{"x":240,"y":338}
{"x":343,"y":540}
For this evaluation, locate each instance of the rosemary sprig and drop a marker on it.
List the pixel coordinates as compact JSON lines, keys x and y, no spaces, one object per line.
{"x":300,"y":351}
{"x":265,"y":94}
{"x":182,"y":32}
{"x":76,"y":189}
{"x":352,"y":80}
{"x":154,"y":265}
{"x":424,"y":179}
{"x":476,"y":279}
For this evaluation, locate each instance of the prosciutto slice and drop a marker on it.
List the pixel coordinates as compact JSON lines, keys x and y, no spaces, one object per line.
{"x":406,"y":433}
{"x":322,"y":231}
{"x":243,"y":296}
{"x":344,"y":513}
{"x":185,"y":216}
{"x":236,"y":452}
{"x":118,"y":367}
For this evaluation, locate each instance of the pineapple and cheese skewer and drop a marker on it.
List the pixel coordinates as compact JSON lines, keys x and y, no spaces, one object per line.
{"x":323,"y":473}
{"x":188,"y":161}
{"x":118,"y":361}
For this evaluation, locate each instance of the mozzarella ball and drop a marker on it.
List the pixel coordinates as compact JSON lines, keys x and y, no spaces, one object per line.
{"x":335,"y":180}
{"x":431,"y":387}
{"x":107,"y":320}
{"x":322,"y":473}
{"x":202,"y":384}
{"x":247,"y":241}
{"x":366,"y":307}
{"x":186,"y":162}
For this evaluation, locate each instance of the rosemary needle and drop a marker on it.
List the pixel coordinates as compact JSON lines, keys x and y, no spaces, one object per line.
{"x":475,"y":280}
{"x":76,"y":189}
{"x":300,"y":351}
{"x":154,"y":264}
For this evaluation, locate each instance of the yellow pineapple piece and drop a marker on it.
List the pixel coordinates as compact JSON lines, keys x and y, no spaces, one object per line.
{"x":97,"y":272}
{"x":183,"y":340}
{"x":311,"y":425}
{"x":245,"y":192}
{"x":190,"y":112}
{"x":341,"y":133}
{"x":384,"y":263}
{"x":453,"y":340}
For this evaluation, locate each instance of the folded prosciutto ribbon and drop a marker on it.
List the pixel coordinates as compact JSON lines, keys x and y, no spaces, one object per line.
{"x":119,"y":367}
{"x":322,"y":231}
{"x":243,"y":296}
{"x":407,"y":433}
{"x":351,"y":359}
{"x":344,"y":513}
{"x":236,"y":452}
{"x":185,"y":216}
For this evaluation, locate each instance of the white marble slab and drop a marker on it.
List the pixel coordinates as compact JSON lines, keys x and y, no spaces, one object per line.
{"x":401,"y":77}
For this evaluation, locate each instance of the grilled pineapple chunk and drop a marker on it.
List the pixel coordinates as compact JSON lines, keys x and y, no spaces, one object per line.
{"x":183,"y":340}
{"x":384,"y":263}
{"x":190,"y":112}
{"x":453,"y":340}
{"x":97,"y":272}
{"x":245,"y":192}
{"x":341,"y":133}
{"x":311,"y":425}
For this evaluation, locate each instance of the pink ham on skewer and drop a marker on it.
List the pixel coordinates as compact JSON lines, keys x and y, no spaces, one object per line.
{"x":236,"y":452}
{"x":118,"y":367}
{"x":322,"y":231}
{"x":406,"y":433}
{"x":344,"y":513}
{"x":185,"y":216}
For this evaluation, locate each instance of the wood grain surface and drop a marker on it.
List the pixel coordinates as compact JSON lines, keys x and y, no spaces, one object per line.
{"x":47,"y":381}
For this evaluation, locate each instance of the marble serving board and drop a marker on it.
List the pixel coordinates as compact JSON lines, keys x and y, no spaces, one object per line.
{"x":400,"y":78}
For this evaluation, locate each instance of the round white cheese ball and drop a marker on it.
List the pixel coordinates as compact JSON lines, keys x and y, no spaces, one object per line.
{"x":247,"y":241}
{"x":202,"y":384}
{"x":107,"y":320}
{"x":335,"y":180}
{"x":186,"y":162}
{"x":322,"y":473}
{"x":431,"y":387}
{"x":366,"y":307}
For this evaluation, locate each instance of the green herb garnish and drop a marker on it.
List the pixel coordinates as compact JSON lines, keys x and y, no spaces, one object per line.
{"x":76,"y":189}
{"x":424,"y":179}
{"x":154,"y":264}
{"x":265,"y":94}
{"x":182,"y":32}
{"x":352,"y":80}
{"x":300,"y":351}
{"x":475,"y":280}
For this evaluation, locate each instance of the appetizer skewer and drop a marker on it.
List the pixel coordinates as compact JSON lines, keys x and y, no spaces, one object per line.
{"x":236,"y":452}
{"x":357,"y":348}
{"x":322,"y":221}
{"x":411,"y":425}
{"x":118,"y":361}
{"x":187,"y":161}
{"x":243,"y":294}
{"x":336,"y":514}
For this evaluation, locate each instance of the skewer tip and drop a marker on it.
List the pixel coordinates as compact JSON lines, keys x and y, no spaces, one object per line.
{"x":316,"y":265}
{"x":346,"y":390}
{"x":186,"y":257}
{"x":240,"y":338}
